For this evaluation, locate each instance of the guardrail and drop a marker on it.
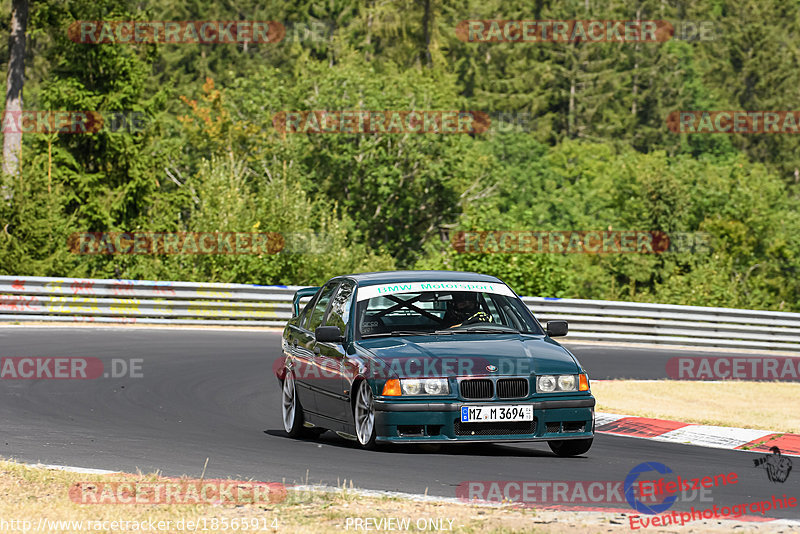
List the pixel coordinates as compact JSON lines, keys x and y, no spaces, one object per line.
{"x":143,"y":302}
{"x":638,"y":322}
{"x":150,"y":302}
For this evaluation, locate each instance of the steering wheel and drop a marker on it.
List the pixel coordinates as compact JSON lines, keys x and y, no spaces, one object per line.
{"x":478,"y":317}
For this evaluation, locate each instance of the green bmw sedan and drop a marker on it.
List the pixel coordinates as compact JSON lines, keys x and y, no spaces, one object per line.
{"x":430,"y":357}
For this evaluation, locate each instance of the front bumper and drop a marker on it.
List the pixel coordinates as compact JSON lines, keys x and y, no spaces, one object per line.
{"x":557,"y":418}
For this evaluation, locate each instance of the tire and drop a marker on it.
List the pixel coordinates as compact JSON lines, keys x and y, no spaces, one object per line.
{"x":292,"y":411}
{"x":570,"y":447}
{"x":364,"y":416}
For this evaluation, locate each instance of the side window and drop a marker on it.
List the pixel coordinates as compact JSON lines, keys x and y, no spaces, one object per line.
{"x":339,"y":314}
{"x":321,"y":305}
{"x":493,"y":311}
{"x":306,"y":312}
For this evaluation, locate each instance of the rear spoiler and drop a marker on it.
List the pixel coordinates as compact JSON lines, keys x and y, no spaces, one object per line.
{"x":305,"y":292}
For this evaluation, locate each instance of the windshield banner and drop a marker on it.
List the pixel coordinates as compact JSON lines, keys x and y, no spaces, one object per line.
{"x":369,"y":292}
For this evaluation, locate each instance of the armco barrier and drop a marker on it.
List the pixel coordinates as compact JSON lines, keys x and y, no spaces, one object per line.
{"x":142,"y":302}
{"x":639,"y":322}
{"x":151,"y":302}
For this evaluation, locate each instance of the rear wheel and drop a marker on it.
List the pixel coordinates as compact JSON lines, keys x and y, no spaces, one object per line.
{"x":364,"y":416}
{"x":570,"y":447}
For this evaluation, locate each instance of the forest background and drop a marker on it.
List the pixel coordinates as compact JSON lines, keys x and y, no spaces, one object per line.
{"x":580,"y":142}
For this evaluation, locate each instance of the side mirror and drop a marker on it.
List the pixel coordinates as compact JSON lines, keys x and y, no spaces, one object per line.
{"x":328,"y":334}
{"x":557,"y":328}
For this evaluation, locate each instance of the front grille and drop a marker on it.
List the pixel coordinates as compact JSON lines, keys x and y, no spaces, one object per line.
{"x":491,"y":429}
{"x":512,"y":388}
{"x":480,"y":388}
{"x":553,"y":426}
{"x":574,"y":426}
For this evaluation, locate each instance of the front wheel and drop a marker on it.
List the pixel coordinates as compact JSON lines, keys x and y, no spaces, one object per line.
{"x":570,"y":447}
{"x":364,"y":416}
{"x":291,"y":410}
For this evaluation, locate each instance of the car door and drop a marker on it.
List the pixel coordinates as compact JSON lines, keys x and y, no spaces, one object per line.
{"x":332,"y":401}
{"x":297,"y":348}
{"x":306,"y":344}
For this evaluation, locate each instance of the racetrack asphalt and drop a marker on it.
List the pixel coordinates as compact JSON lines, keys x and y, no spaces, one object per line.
{"x":212,"y":394}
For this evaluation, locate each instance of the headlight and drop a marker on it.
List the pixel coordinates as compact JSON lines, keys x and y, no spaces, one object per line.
{"x":425,"y":386}
{"x":437,"y":387}
{"x":548,"y":383}
{"x":411,"y":387}
{"x":566,"y":382}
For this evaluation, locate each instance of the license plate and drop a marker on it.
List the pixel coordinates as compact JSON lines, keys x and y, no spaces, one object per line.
{"x":495,"y":414}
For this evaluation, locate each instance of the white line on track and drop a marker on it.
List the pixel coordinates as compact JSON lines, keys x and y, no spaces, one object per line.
{"x":71,"y":469}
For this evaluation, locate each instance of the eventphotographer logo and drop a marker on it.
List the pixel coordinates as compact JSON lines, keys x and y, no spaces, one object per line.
{"x":666,"y":489}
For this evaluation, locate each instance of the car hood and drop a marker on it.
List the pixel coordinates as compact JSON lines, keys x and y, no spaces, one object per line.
{"x":468,"y":354}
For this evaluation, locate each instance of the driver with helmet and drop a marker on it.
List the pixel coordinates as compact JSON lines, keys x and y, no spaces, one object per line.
{"x":465,"y":309}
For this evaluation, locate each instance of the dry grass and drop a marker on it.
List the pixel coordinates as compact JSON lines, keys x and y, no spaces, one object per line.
{"x":761,"y":405}
{"x":28,"y":493}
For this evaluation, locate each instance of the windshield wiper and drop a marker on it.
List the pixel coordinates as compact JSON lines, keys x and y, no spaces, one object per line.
{"x":399,"y":333}
{"x":448,"y":332}
{"x":485,"y":330}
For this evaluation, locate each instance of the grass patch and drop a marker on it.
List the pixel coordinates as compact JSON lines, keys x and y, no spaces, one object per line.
{"x":35,"y":494}
{"x":761,"y":405}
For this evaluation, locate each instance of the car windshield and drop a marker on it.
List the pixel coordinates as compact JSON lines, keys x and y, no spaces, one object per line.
{"x":443,"y":312}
